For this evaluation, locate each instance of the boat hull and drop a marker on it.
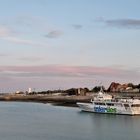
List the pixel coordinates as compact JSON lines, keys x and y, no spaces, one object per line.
{"x":89,"y":107}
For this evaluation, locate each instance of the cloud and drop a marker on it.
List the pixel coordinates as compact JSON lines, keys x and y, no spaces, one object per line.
{"x":3,"y":55}
{"x":67,"y":71}
{"x":9,"y":35}
{"x":77,"y":26}
{"x":17,"y":40}
{"x":124,"y":23}
{"x":56,"y":76}
{"x":31,"y":59}
{"x":4,"y":31}
{"x":54,"y":34}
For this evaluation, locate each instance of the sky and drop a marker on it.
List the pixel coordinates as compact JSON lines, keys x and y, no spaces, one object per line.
{"x":59,"y":44}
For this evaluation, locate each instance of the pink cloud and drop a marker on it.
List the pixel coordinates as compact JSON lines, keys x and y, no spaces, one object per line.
{"x":5,"y":31}
{"x":67,"y":70}
{"x":31,"y":59}
{"x":56,"y":76}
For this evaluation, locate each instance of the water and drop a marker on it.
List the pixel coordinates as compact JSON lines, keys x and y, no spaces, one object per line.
{"x":36,"y":121}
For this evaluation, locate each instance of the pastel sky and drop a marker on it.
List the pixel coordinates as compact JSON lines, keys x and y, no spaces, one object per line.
{"x":51,"y":44}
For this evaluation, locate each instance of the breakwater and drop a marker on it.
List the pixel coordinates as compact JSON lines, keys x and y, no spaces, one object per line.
{"x":46,"y":99}
{"x":62,"y":99}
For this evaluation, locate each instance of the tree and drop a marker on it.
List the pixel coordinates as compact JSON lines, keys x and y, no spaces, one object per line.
{"x":96,"y":89}
{"x":86,"y":89}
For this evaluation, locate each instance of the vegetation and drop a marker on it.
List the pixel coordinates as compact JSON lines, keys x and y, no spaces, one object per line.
{"x":114,"y":87}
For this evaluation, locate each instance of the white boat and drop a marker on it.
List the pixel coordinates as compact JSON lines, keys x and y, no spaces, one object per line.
{"x":105,"y":103}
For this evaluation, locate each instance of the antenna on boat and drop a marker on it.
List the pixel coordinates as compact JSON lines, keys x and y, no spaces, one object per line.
{"x":101,"y":89}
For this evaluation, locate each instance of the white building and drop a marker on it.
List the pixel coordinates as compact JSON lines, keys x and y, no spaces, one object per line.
{"x":29,"y":90}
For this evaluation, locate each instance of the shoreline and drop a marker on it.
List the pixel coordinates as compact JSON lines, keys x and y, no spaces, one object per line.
{"x":60,"y":100}
{"x":55,"y":100}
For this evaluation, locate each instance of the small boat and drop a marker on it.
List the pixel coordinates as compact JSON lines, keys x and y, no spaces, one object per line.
{"x":105,"y":103}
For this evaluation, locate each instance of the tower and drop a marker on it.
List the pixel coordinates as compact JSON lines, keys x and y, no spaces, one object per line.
{"x":29,"y":90}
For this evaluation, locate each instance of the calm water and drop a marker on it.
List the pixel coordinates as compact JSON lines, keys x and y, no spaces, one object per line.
{"x":36,"y":121}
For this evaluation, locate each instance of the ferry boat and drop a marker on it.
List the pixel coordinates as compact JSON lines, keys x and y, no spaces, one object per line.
{"x":105,"y":103}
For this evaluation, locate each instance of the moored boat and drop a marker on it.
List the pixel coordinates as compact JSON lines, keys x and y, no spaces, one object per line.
{"x":105,"y":103}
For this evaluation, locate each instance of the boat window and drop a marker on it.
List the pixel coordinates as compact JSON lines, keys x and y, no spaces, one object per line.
{"x":99,"y":103}
{"x":110,"y":104}
{"x":135,"y":105}
{"x":102,"y":103}
{"x":100,"y":97}
{"x":95,"y":103}
{"x":119,"y":104}
{"x":126,"y":105}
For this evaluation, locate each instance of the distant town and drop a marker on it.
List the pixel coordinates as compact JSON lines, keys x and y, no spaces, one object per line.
{"x":73,"y":95}
{"x":113,"y":88}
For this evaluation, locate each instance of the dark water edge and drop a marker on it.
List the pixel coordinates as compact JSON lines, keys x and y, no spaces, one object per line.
{"x":64,"y":104}
{"x":37,"y":121}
